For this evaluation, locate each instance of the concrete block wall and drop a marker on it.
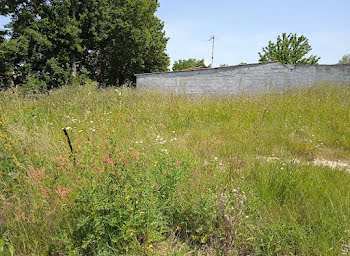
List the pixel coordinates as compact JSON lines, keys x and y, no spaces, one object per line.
{"x":251,"y":78}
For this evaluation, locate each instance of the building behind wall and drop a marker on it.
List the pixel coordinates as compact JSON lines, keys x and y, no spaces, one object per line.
{"x":250,"y":78}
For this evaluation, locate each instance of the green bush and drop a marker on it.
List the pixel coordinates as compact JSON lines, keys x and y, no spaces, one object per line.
{"x":122,"y":210}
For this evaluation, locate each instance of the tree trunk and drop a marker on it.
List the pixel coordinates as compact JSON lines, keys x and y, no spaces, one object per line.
{"x":72,"y":56}
{"x":73,"y":65}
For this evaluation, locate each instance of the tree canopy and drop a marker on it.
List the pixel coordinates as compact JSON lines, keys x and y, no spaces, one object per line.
{"x":289,"y":49}
{"x":53,"y":42}
{"x":345,"y":59}
{"x":186,"y":64}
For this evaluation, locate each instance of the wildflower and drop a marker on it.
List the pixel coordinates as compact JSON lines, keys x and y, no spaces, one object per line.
{"x":178,"y":228}
{"x":136,"y":154}
{"x":62,"y":192}
{"x":165,"y":151}
{"x":127,"y":197}
{"x":91,"y":122}
{"x":136,"y":142}
{"x":93,"y":130}
{"x":68,"y":128}
{"x":173,"y":131}
{"x":141,"y":142}
{"x":215,"y":158}
{"x":155,"y":164}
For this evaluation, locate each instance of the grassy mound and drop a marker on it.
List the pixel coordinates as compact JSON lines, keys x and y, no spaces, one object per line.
{"x":154,"y":174}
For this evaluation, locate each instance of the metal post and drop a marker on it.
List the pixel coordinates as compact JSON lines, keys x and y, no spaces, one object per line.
{"x":212,"y":51}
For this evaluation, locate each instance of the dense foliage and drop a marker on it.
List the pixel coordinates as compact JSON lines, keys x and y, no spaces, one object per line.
{"x":54,"y":42}
{"x":345,"y":59}
{"x":289,"y":49}
{"x":186,"y":64}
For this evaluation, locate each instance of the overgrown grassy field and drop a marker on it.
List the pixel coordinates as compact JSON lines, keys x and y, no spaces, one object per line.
{"x":154,"y":174}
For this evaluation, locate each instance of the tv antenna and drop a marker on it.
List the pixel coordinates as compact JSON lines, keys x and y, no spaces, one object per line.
{"x":212,"y":50}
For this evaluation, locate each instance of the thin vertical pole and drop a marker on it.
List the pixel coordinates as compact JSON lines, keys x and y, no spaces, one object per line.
{"x":212,"y":51}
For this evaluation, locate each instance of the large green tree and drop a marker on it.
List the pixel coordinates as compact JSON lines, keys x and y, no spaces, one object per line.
{"x":186,"y":64}
{"x":57,"y":41}
{"x":289,"y":49}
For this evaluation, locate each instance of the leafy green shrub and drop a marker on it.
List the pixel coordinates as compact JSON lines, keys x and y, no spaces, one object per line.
{"x":122,"y":210}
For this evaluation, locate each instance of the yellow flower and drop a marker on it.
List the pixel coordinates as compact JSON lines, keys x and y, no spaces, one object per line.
{"x":127,"y":197}
{"x":178,"y":228}
{"x":155,"y":164}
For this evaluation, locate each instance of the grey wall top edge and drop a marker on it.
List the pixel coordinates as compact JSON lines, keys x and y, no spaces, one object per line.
{"x":240,"y":66}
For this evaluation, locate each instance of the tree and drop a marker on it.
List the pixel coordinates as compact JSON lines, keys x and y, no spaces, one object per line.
{"x":289,"y":49}
{"x":345,"y":59}
{"x":58,"y":41}
{"x":186,"y":64}
{"x":46,"y":36}
{"x":128,"y":39}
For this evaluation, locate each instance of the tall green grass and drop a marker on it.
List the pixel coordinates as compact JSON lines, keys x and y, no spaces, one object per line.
{"x":155,"y":174}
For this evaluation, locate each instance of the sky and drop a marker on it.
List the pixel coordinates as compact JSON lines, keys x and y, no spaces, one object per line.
{"x":242,"y":28}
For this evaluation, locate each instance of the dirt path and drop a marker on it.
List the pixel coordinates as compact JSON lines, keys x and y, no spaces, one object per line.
{"x":343,"y":165}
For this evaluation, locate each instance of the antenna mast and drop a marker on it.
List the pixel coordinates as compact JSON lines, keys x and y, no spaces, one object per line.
{"x":212,"y":50}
